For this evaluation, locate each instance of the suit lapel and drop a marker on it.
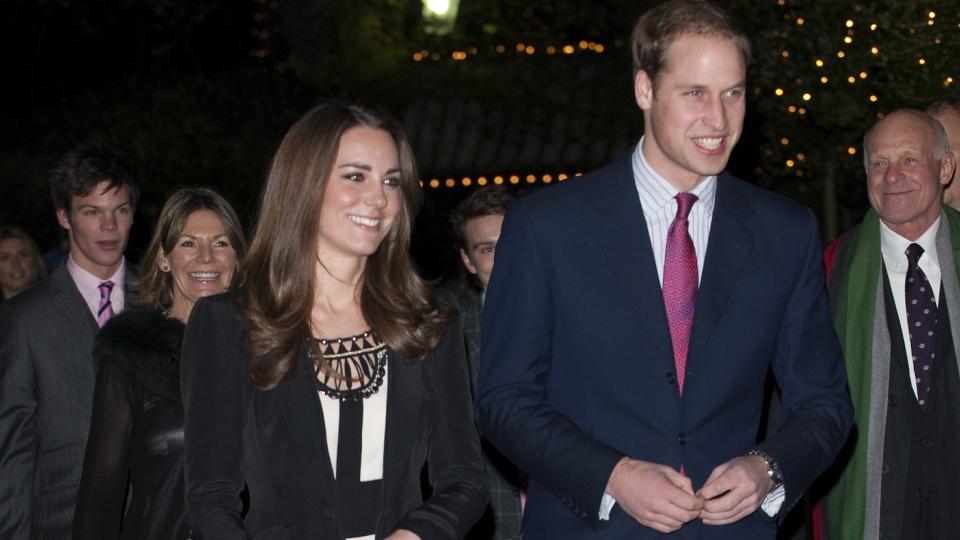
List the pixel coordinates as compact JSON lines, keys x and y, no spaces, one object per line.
{"x":727,"y":250}
{"x":623,"y":236}
{"x":301,"y":409}
{"x":69,"y":303}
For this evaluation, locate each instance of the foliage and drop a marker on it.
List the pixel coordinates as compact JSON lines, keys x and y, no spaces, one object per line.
{"x":825,"y":71}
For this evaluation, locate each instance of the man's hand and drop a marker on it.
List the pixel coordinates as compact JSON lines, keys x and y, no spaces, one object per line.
{"x":734,"y":490}
{"x":655,"y":495}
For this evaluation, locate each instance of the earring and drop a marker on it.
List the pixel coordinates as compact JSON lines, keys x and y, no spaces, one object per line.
{"x":165,"y":268}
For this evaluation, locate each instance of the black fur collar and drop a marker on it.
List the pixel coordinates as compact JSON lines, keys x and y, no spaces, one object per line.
{"x":146,"y":345}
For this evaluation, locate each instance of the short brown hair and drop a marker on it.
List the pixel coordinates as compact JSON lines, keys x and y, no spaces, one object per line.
{"x":660,"y":26}
{"x":489,"y":201}
{"x":276,"y":284}
{"x":155,"y":288}
{"x":80,"y":170}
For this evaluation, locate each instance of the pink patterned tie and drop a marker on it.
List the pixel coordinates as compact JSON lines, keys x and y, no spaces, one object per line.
{"x":680,"y":284}
{"x":105,"y":311}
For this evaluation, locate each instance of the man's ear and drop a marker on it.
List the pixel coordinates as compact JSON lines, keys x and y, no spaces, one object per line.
{"x":947,"y":165}
{"x":63,"y":219}
{"x":467,"y":262}
{"x":643,"y":90}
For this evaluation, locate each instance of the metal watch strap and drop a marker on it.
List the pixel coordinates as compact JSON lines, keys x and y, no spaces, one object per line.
{"x":773,"y":468}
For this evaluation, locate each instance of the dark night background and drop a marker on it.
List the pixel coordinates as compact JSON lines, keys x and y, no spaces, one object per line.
{"x":200,"y":92}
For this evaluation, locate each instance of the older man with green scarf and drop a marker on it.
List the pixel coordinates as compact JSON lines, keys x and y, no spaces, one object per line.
{"x":894,"y":289}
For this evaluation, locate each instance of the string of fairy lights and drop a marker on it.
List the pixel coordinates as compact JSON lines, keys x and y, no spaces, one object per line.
{"x":862,"y":51}
{"x":498,"y":180}
{"x":519,"y":49}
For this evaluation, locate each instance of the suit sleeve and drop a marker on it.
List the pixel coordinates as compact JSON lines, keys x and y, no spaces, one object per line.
{"x":18,"y":429}
{"x":512,"y":404}
{"x":809,"y":369}
{"x":103,"y":482}
{"x":453,"y":460}
{"x":212,"y":382}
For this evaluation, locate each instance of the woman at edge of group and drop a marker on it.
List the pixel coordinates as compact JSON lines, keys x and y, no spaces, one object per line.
{"x":330,"y":374}
{"x":21,"y":264}
{"x":137,"y":422}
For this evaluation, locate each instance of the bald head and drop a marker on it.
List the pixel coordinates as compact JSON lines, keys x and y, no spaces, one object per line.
{"x":940,"y":144}
{"x":908,"y":163}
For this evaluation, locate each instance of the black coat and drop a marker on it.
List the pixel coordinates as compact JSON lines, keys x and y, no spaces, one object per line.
{"x":274,"y":442}
{"x":136,"y":432}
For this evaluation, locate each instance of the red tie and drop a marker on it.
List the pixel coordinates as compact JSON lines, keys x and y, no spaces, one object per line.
{"x":680,"y":284}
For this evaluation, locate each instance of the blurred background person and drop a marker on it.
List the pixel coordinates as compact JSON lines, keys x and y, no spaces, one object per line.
{"x":47,"y":372}
{"x":476,"y":223}
{"x":136,"y":430}
{"x":946,"y":110}
{"x":21,"y":264}
{"x":328,"y":376}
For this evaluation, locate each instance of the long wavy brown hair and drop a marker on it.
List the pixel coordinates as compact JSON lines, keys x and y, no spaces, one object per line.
{"x":276,"y":282}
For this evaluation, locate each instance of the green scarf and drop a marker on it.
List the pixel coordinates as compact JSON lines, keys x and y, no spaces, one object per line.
{"x":854,"y":316}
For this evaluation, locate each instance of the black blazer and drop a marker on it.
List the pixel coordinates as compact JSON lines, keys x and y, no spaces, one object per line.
{"x":274,"y":442}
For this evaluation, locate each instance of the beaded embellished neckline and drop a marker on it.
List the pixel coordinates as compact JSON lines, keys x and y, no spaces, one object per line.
{"x":356,"y":365}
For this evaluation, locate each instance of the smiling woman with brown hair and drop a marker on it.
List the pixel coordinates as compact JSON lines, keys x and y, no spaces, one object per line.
{"x":333,"y":374}
{"x":136,"y":431}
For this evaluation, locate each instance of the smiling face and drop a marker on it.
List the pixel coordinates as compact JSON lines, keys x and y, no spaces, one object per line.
{"x":201,"y":263}
{"x":362,"y":197}
{"x":694,"y":114}
{"x":98,"y":225}
{"x":16,"y":267}
{"x":905,"y":176}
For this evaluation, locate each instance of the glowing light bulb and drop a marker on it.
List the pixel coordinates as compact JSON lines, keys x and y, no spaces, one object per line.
{"x":438,"y":7}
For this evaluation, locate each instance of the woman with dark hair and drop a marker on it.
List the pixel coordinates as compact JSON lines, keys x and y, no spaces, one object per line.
{"x":331,"y":374}
{"x":137,"y":427}
{"x":21,"y":264}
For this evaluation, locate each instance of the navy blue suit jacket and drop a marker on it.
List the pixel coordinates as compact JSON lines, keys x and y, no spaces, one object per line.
{"x":578,"y":370}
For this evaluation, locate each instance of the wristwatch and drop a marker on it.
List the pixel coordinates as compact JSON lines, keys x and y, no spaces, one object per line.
{"x":773,"y":468}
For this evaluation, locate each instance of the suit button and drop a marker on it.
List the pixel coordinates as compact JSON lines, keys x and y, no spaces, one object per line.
{"x":893,"y":401}
{"x":885,"y":468}
{"x":682,"y":439}
{"x":671,"y":378}
{"x":926,"y":442}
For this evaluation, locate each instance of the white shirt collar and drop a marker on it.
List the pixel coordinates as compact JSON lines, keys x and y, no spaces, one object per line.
{"x":655,"y":191}
{"x":894,"y":247}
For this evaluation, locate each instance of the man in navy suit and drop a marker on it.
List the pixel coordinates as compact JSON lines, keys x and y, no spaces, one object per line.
{"x":634,"y":314}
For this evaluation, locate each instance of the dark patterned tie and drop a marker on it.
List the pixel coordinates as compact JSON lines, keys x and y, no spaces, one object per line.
{"x":680,"y":284}
{"x":922,"y":322}
{"x":105,"y":311}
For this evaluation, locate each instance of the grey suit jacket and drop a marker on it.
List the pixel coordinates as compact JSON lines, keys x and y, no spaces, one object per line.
{"x":46,"y":394}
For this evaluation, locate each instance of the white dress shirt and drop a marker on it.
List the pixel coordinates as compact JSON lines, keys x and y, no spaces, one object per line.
{"x":893,"y":248}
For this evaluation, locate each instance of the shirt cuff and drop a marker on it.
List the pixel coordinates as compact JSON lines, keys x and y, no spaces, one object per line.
{"x":606,"y":505}
{"x":774,"y":500}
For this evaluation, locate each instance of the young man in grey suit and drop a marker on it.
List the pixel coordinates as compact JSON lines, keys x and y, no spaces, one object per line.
{"x":46,"y":339}
{"x":476,"y":223}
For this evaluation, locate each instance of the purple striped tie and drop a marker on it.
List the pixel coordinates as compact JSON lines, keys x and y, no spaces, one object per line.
{"x":105,"y":311}
{"x":680,"y":284}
